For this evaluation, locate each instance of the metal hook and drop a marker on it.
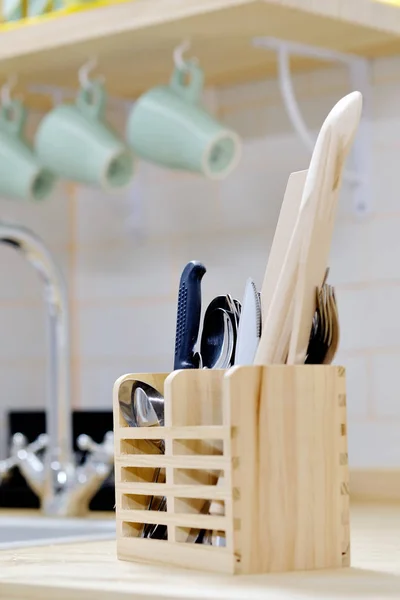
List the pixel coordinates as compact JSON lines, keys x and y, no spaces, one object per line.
{"x":179,"y":51}
{"x":6,"y":90}
{"x":84,"y":71}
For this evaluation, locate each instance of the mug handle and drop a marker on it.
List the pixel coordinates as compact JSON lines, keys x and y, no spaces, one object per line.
{"x":190,"y":91}
{"x":91,"y":100}
{"x":13,"y":117}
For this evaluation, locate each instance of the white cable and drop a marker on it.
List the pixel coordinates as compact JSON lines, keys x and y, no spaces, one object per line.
{"x":289,"y":98}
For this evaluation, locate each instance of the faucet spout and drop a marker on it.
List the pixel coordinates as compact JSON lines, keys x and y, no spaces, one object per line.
{"x":58,"y":403}
{"x":64,"y":487}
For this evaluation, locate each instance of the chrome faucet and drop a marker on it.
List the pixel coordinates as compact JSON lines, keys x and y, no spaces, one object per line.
{"x":48,"y":464}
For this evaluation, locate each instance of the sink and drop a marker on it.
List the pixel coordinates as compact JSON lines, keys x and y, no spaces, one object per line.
{"x":24,"y":531}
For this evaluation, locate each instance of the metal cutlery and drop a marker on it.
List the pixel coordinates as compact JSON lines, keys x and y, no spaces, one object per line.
{"x":324,"y":337}
{"x":220,"y":324}
{"x":248,"y":338}
{"x":145,"y":409}
{"x":249,"y":332}
{"x":230,"y":335}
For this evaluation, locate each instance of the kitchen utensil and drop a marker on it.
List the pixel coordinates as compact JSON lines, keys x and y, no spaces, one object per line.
{"x":188,"y":316}
{"x":249,"y":332}
{"x":145,"y":409}
{"x":246,"y":345}
{"x":148,"y":410}
{"x":217,"y":342}
{"x":324,"y":338}
{"x":147,"y":405}
{"x":168,"y":126}
{"x":314,"y":223}
{"x":318,"y":344}
{"x":286,"y":223}
{"x":219,"y":334}
{"x":277,"y":319}
{"x":22,"y":175}
{"x":74,"y":141}
{"x":334,"y":342}
{"x":319,"y":200}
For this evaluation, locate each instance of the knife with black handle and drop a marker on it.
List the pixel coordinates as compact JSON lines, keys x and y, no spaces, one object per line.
{"x":188,"y":317}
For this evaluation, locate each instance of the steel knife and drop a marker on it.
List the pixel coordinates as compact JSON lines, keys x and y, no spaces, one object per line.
{"x":249,"y":331}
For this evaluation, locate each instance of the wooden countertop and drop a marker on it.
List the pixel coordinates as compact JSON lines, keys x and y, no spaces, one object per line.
{"x":34,"y":512}
{"x":92,"y":572}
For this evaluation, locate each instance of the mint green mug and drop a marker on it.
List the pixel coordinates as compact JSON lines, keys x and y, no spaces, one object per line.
{"x":169,"y":127}
{"x":21,"y":174}
{"x":74,"y":141}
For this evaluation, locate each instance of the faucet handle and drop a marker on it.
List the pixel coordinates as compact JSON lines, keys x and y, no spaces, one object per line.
{"x":19,"y":445}
{"x":19,"y":442}
{"x":104,"y":450}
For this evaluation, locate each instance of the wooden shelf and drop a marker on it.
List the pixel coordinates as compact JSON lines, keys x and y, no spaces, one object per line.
{"x":134,"y":40}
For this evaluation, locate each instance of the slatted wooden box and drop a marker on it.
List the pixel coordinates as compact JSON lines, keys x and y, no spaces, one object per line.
{"x":278,"y":436}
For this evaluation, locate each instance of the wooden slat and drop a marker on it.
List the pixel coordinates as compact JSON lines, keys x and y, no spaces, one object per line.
{"x":179,"y":519}
{"x":203,"y":492}
{"x":207,"y":558}
{"x":178,"y":462}
{"x":208,"y":432}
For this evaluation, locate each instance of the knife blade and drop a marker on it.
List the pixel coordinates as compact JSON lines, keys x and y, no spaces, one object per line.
{"x":249,"y":332}
{"x":188,"y":316}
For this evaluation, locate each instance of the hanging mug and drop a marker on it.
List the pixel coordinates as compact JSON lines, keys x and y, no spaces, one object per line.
{"x":22,"y":175}
{"x":75,"y":141}
{"x":169,"y":127}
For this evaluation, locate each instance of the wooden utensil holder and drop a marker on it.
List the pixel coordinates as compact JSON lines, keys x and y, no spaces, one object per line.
{"x":279,"y":436}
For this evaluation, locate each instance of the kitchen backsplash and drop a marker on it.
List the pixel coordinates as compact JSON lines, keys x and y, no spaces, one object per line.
{"x":122,"y":255}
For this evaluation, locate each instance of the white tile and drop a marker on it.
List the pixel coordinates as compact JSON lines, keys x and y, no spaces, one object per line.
{"x":164,"y":203}
{"x":384,"y":97}
{"x":97,"y":380}
{"x":119,"y":330}
{"x":247,"y":123}
{"x":252,"y":196}
{"x":230,"y":258}
{"x":384,"y":176}
{"x":101,"y":216}
{"x":20,"y":281}
{"x":369,"y":318}
{"x":365,"y":250}
{"x":386,"y":385}
{"x":184,"y":204}
{"x":132,"y":268}
{"x":49,"y":219}
{"x":23,"y":332}
{"x":350,"y":254}
{"x":374,"y":445}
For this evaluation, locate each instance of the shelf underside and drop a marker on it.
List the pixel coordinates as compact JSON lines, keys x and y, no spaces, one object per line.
{"x":134,"y":42}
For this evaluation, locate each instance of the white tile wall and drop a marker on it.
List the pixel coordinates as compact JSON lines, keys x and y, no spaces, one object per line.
{"x":122,"y":255}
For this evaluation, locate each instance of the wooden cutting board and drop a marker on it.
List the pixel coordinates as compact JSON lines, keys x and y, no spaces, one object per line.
{"x":275,"y":322}
{"x":299,"y":257}
{"x":320,"y":198}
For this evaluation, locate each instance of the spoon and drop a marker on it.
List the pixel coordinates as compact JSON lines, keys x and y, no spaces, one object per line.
{"x":145,"y":409}
{"x":218,"y":338}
